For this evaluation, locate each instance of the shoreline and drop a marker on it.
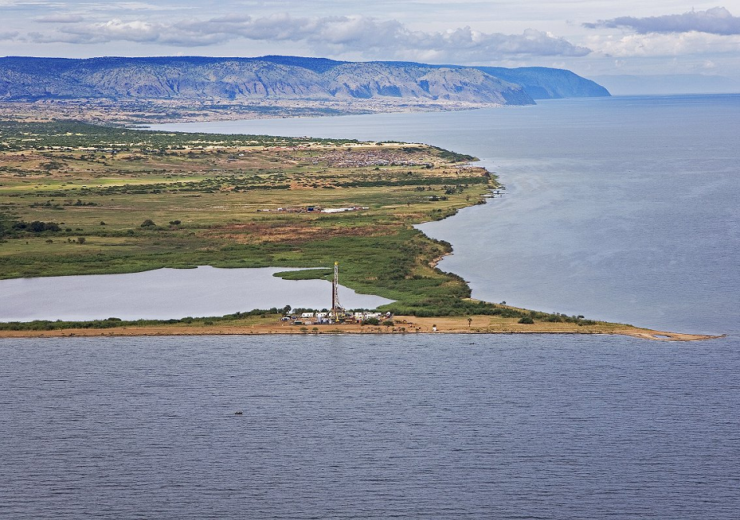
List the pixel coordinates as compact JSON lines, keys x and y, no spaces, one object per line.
{"x":405,"y":325}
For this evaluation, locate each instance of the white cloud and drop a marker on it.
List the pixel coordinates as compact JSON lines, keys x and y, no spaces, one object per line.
{"x":717,"y":20}
{"x":372,"y":38}
{"x":656,"y":45}
{"x":136,"y":31}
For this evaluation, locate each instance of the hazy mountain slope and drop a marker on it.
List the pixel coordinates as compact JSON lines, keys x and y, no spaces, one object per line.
{"x":546,"y":83}
{"x":277,"y":77}
{"x":368,"y":80}
{"x":222,"y":80}
{"x":319,"y":65}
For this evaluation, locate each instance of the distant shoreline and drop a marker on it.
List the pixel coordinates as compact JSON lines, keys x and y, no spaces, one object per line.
{"x":159,"y":112}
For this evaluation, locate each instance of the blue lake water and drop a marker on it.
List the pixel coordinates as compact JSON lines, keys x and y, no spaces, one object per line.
{"x":623,"y":208}
{"x":415,"y":426}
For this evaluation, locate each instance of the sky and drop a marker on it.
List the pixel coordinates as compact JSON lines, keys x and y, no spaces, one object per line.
{"x":592,"y":38}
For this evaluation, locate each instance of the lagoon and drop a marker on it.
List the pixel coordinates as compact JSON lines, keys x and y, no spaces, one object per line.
{"x":167,"y":294}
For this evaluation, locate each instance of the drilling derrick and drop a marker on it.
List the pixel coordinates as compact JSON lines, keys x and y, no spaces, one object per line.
{"x":336,"y":308}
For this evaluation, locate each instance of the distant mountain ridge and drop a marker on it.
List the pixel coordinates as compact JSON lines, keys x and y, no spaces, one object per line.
{"x":279,"y":77}
{"x":547,"y":83}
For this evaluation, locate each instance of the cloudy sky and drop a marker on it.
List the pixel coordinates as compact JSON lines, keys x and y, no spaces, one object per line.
{"x":592,"y":38}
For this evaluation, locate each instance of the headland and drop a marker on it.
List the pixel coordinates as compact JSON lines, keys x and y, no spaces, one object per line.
{"x":83,"y":199}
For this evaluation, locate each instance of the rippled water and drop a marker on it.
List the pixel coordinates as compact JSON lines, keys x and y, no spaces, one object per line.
{"x":505,"y":427}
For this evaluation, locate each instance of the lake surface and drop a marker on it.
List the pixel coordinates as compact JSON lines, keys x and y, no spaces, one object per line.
{"x":167,"y":293}
{"x":624,"y":209}
{"x":415,"y":426}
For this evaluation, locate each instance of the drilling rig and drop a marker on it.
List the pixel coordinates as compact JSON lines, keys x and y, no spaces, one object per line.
{"x":337,"y":312}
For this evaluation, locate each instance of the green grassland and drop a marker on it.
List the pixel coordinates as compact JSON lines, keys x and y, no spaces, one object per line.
{"x":81,"y":199}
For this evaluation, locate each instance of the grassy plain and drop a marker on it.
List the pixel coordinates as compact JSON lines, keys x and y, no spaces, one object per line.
{"x":115,"y":200}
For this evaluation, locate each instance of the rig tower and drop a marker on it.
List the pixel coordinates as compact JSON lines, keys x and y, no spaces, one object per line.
{"x":336,"y":308}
